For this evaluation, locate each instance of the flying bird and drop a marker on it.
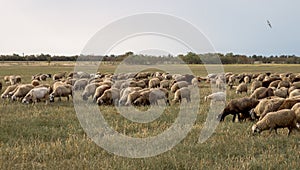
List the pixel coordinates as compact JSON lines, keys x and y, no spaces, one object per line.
{"x":269,"y":23}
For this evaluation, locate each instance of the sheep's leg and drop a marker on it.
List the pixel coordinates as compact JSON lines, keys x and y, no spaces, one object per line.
{"x":233,"y":119}
{"x":290,"y":131}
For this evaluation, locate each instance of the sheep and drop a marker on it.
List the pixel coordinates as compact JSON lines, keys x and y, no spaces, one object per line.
{"x":141,"y":83}
{"x":217,"y":96}
{"x":21,"y":91}
{"x":286,"y":84}
{"x":61,"y":91}
{"x":266,"y":83}
{"x":274,"y":83}
{"x":178,"y":85}
{"x":35,"y":82}
{"x":272,"y":121}
{"x":237,"y":106}
{"x":165,"y":84}
{"x":255,"y":84}
{"x":262,"y":92}
{"x":265,"y":106}
{"x":59,"y":76}
{"x":142,"y":75}
{"x":9,"y":89}
{"x":282,"y":92}
{"x":296,"y":85}
{"x":220,"y":83}
{"x":110,"y":96}
{"x":154,"y":82}
{"x":142,"y":99}
{"x":231,"y":81}
{"x":125,"y":92}
{"x":36,"y":94}
{"x":80,"y":84}
{"x":296,"y":109}
{"x":182,"y":93}
{"x":89,"y":90}
{"x":99,"y":91}
{"x":241,"y":88}
{"x":195,"y":82}
{"x":159,"y":93}
{"x":294,"y":93}
{"x":247,"y":79}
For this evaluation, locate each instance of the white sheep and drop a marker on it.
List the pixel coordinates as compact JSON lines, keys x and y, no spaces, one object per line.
{"x":294,"y":93}
{"x":218,"y":96}
{"x":285,"y":118}
{"x":241,"y":88}
{"x":181,"y":94}
{"x":36,"y":94}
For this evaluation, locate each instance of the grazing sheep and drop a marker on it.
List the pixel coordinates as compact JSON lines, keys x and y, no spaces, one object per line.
{"x":218,"y":96}
{"x":247,"y":79}
{"x":231,"y":81}
{"x":296,"y":85}
{"x":241,"y":88}
{"x":237,"y":106}
{"x":265,"y":106}
{"x":125,"y":92}
{"x":9,"y":89}
{"x":220,"y":83}
{"x":141,"y":83}
{"x":282,"y":92}
{"x":80,"y":84}
{"x":99,"y":91}
{"x":110,"y":96}
{"x":89,"y":90}
{"x":142,"y":99}
{"x":266,"y":82}
{"x":59,"y":76}
{"x":154,"y":82}
{"x":272,"y":121}
{"x":274,"y":83}
{"x":286,"y":84}
{"x":21,"y":91}
{"x":262,"y":92}
{"x":165,"y":84}
{"x":296,"y":109}
{"x":35,"y":83}
{"x":178,"y":85}
{"x":182,"y":93}
{"x":61,"y":91}
{"x":294,"y":93}
{"x":157,"y":94}
{"x":36,"y":94}
{"x":195,"y":82}
{"x":255,"y":84}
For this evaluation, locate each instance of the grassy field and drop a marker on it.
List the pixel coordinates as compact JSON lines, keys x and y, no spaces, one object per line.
{"x":50,"y":137}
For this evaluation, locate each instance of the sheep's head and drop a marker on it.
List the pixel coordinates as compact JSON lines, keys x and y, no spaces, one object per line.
{"x":100,"y":102}
{"x":255,"y":129}
{"x":51,"y":98}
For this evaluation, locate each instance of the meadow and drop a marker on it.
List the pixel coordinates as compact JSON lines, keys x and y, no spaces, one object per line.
{"x":50,"y":136}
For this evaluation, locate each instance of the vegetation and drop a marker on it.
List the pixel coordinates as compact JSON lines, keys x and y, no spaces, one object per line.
{"x":50,"y":136}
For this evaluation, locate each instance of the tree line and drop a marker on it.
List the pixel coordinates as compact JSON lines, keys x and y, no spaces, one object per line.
{"x":189,"y":58}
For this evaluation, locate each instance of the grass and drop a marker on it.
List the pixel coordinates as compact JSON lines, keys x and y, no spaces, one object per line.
{"x":50,"y":137}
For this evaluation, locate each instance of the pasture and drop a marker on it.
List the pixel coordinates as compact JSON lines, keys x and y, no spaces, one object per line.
{"x":50,"y":136}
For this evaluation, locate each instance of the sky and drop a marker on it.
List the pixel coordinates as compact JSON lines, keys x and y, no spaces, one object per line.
{"x":64,"y":27}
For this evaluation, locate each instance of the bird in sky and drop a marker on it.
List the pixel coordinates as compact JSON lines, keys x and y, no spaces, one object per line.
{"x":269,"y":23}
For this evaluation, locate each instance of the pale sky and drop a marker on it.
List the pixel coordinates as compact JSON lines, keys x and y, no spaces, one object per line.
{"x":63,"y":27}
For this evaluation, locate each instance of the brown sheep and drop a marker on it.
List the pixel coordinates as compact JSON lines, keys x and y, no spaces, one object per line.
{"x":265,"y":106}
{"x":182,"y":93}
{"x":59,"y":76}
{"x":125,"y":92}
{"x":89,"y":90}
{"x":262,"y":92}
{"x":61,"y":91}
{"x":272,"y":121}
{"x":110,"y":96}
{"x":255,"y":84}
{"x":237,"y":106}
{"x":142,"y":99}
{"x":154,"y":82}
{"x":241,"y":88}
{"x":99,"y":91}
{"x":9,"y":89}
{"x":35,"y":83}
{"x":21,"y":91}
{"x":178,"y":85}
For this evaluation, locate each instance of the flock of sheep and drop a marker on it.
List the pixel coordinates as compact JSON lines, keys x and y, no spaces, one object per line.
{"x":273,"y":100}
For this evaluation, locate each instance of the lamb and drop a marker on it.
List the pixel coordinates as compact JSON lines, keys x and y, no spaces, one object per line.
{"x":9,"y":89}
{"x":294,"y":93}
{"x":178,"y":85}
{"x":262,"y":92}
{"x":80,"y":84}
{"x":241,"y":88}
{"x":217,"y":96}
{"x":272,"y":121}
{"x":21,"y":91}
{"x":61,"y":91}
{"x":255,"y":84}
{"x":110,"y":96}
{"x":89,"y":90}
{"x":182,"y":93}
{"x":236,"y":106}
{"x":99,"y":91}
{"x":36,"y":94}
{"x":154,"y":82}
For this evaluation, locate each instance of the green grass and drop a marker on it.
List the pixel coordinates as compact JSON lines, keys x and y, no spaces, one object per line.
{"x":50,"y":136}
